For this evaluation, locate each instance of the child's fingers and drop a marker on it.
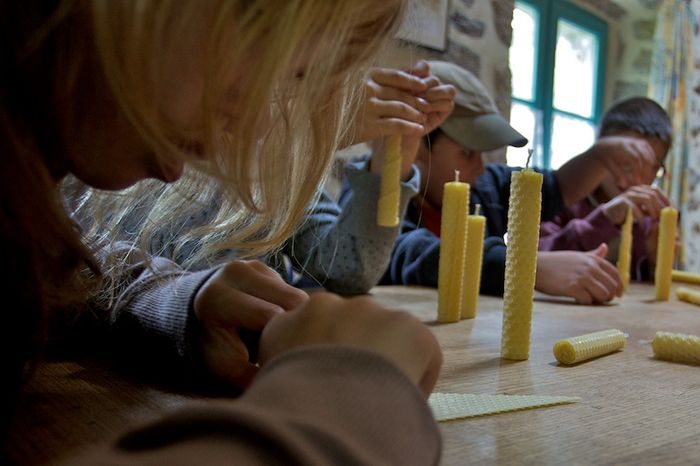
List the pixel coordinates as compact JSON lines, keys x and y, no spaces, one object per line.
{"x":647,"y":199}
{"x":431,"y":81}
{"x":610,"y":276}
{"x":400,"y":126}
{"x":420,"y":69}
{"x":441,"y":92}
{"x":398,"y":79}
{"x":396,"y":109}
{"x":391,"y":94}
{"x":661,"y":197}
{"x":598,"y":291}
{"x":637,"y":213}
{"x":440,"y":106}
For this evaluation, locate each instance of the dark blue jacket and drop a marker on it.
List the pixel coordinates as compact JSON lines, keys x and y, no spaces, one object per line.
{"x":414,"y":260}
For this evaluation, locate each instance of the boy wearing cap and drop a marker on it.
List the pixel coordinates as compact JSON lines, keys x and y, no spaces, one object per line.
{"x":598,"y":217}
{"x":473,"y":127}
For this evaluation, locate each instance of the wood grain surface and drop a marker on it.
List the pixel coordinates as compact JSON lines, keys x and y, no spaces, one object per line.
{"x":634,"y":409}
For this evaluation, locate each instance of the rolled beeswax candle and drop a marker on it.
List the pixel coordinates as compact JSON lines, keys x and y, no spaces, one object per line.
{"x":664,"y":253}
{"x":390,"y":185}
{"x":624,"y":257}
{"x":686,"y":277}
{"x":688,"y":295}
{"x":676,"y":347}
{"x":472,"y":269}
{"x":453,"y":242}
{"x":521,"y":262}
{"x":588,"y":346}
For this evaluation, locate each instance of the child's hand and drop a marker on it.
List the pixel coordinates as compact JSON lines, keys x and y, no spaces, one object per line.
{"x":644,"y":200}
{"x":631,"y":160}
{"x":391,"y":106}
{"x":240,"y":297}
{"x":435,"y":103}
{"x":439,"y":96}
{"x":585,"y":276}
{"x":360,"y":322}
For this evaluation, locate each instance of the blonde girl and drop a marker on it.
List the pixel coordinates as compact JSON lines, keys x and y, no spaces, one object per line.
{"x":254,"y":93}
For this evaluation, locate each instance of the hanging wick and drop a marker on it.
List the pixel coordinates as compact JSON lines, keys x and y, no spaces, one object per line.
{"x":529,"y":156}
{"x":477,"y":209}
{"x":457,"y":175}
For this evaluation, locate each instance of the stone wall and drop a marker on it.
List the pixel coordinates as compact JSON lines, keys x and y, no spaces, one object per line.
{"x":631,"y":25}
{"x":479,"y":35}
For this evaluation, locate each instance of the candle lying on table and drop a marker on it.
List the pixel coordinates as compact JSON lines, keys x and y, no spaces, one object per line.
{"x":453,"y":242}
{"x":665,"y":251}
{"x":676,"y":347}
{"x":588,"y":346}
{"x":624,"y":257}
{"x":686,"y":277}
{"x":472,"y":270}
{"x":390,"y":185}
{"x":688,"y":295}
{"x":521,"y":262}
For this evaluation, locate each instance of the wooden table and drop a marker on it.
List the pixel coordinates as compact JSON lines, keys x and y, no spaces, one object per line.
{"x":634,"y":409}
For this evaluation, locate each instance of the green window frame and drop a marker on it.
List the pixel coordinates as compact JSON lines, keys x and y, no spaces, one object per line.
{"x":549,"y":13}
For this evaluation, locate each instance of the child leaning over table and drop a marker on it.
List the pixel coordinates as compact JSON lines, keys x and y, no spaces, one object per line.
{"x":338,"y":245}
{"x":248,"y":91}
{"x":476,"y":126}
{"x":599,"y":216}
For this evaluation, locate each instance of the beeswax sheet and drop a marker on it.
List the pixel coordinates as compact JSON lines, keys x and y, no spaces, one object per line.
{"x":447,"y":406}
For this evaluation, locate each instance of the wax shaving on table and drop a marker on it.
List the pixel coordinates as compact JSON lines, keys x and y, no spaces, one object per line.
{"x":447,"y":406}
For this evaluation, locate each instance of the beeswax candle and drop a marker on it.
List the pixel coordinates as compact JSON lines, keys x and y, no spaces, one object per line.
{"x":676,"y":347}
{"x":472,"y":270}
{"x":665,"y":250}
{"x":686,"y":277}
{"x":588,"y":346}
{"x":453,"y":239}
{"x":521,"y":262}
{"x":390,"y":185}
{"x":688,"y":295}
{"x":624,"y":257}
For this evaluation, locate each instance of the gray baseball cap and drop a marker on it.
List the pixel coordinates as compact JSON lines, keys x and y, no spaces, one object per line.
{"x":475,"y":122}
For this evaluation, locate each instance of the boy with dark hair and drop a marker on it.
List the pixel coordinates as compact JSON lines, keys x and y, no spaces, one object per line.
{"x":598,"y":218}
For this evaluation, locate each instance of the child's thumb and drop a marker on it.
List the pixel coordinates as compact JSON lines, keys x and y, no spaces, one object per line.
{"x":600,"y":251}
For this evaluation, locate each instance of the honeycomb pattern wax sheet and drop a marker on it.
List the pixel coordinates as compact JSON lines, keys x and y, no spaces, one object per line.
{"x":447,"y":406}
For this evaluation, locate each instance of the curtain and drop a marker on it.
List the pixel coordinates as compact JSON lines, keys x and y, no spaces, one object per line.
{"x":671,"y":76}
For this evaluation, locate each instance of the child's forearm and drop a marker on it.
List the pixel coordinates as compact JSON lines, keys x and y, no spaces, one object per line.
{"x":580,"y":176}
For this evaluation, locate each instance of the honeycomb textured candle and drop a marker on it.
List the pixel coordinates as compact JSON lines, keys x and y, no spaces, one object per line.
{"x":688,"y":295}
{"x":624,"y":258}
{"x":390,"y":185}
{"x":677,"y":347}
{"x":588,"y":346}
{"x":453,"y":238}
{"x":472,"y":269}
{"x":521,"y":262}
{"x":686,"y":277}
{"x":665,"y":252}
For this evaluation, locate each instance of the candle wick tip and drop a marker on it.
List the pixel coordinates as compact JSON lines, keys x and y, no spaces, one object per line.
{"x":529,"y":157}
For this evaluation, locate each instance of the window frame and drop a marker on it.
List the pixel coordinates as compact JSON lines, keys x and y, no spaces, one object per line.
{"x":549,"y":13}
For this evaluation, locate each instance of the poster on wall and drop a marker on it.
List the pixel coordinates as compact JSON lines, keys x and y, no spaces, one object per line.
{"x":426,"y":24}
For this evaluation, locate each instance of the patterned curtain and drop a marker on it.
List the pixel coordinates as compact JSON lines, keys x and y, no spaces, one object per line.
{"x":669,"y":84}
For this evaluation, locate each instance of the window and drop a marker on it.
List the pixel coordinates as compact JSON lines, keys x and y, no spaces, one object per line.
{"x":557,"y":60}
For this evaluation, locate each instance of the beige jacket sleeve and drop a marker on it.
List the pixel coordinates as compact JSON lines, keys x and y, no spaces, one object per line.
{"x":320,"y":405}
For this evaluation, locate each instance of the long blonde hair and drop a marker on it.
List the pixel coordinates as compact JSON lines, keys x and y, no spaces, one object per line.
{"x":262,"y":185}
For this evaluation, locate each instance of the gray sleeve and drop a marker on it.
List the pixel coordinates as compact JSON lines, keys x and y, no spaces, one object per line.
{"x":340,"y":244}
{"x":149,"y":310}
